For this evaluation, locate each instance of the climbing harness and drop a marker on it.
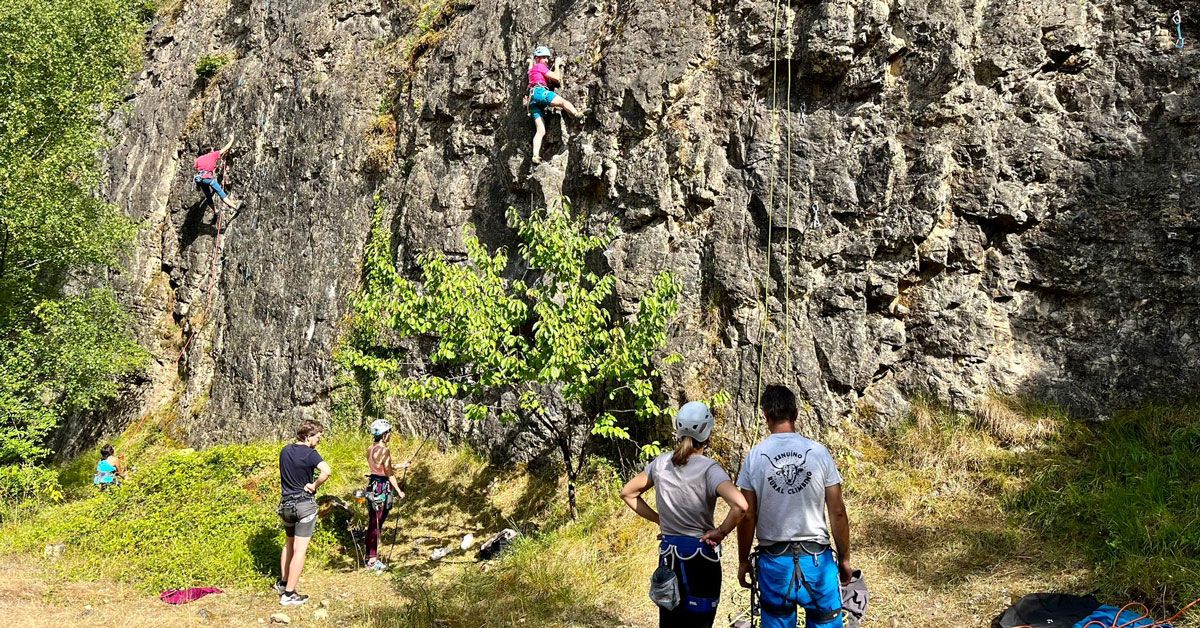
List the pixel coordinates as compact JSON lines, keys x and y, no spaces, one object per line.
{"x":665,"y":589}
{"x":1178,"y":21}
{"x":796,"y":549}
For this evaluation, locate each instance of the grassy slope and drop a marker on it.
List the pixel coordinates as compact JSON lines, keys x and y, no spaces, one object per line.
{"x":953,"y":517}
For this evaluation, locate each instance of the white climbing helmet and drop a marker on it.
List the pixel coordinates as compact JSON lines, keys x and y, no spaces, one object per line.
{"x":694,"y":419}
{"x":541,"y":51}
{"x":380,"y":427}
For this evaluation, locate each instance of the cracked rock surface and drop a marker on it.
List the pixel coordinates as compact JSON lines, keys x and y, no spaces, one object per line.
{"x":893,"y":197}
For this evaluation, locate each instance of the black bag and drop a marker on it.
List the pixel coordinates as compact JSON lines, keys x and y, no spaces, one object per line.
{"x":1047,"y":610}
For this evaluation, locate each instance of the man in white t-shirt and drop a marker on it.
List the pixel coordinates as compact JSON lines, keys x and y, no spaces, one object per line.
{"x":789,"y":483}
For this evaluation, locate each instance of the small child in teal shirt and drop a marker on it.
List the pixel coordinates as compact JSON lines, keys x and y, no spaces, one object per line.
{"x":108,"y":470}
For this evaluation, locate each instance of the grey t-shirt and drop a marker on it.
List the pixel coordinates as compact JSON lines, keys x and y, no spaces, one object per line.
{"x":686,"y":496}
{"x":789,"y":474}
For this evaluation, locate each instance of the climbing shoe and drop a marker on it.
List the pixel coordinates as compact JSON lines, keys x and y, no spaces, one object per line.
{"x":292,"y":599}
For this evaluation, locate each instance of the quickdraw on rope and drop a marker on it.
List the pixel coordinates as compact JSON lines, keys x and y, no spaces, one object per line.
{"x":1177,"y":20}
{"x":751,"y":614}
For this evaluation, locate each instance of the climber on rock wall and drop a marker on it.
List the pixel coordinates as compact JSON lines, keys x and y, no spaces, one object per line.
{"x":541,"y":98}
{"x":206,"y":174}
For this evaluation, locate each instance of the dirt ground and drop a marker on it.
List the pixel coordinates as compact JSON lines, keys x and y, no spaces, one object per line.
{"x":29,"y":597}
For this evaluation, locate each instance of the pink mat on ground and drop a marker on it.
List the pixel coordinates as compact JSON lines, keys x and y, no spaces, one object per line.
{"x":183,"y":596}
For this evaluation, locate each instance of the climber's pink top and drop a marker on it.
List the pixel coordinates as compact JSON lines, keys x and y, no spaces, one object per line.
{"x":537,"y":74}
{"x":207,"y":164}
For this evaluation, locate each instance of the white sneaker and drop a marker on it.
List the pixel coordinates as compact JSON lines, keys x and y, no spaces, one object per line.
{"x":280,"y":588}
{"x":295,"y":599}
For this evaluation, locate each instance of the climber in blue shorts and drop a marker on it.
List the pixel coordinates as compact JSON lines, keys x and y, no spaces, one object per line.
{"x":541,"y":98}
{"x":789,"y":483}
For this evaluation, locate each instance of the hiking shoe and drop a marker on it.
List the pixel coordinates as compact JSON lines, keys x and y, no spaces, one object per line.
{"x":295,"y":599}
{"x":377,"y":565}
{"x":280,"y":588}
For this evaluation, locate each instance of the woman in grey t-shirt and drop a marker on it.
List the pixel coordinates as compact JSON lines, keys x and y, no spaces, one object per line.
{"x":687,"y":485}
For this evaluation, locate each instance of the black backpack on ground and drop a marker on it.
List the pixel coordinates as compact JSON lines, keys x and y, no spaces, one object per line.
{"x":1047,"y":610}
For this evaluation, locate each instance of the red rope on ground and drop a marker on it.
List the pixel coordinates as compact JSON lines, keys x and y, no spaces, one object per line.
{"x":1145,"y":615}
{"x":1095,"y":623}
{"x":1183,"y":610}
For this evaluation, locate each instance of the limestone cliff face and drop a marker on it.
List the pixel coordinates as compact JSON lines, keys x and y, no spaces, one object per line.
{"x":893,"y":196}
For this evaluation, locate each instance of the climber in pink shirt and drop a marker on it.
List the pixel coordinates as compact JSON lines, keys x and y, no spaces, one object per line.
{"x":540,"y":98}
{"x":206,"y":174}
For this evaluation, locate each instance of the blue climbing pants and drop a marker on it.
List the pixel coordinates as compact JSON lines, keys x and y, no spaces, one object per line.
{"x":212,"y":183}
{"x":792,"y":577}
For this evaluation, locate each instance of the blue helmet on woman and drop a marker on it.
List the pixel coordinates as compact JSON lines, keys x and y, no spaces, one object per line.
{"x":541,"y":51}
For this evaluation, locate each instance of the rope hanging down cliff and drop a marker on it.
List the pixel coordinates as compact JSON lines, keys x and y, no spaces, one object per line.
{"x":217,"y":248}
{"x":765,"y":278}
{"x":750,"y":616}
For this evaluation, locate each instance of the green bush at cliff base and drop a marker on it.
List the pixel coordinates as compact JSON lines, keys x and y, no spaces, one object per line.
{"x":1127,"y":493}
{"x":189,"y":518}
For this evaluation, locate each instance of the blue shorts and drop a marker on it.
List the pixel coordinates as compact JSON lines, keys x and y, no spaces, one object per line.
{"x":212,"y":183}
{"x":797,"y":578}
{"x":540,"y":99}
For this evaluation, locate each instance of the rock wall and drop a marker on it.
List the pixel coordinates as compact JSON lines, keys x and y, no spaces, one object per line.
{"x":879,"y":198}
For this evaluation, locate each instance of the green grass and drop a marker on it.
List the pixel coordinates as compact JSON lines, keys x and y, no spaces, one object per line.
{"x":190,"y":518}
{"x":588,"y":572}
{"x":1010,"y":499}
{"x":185,"y":518}
{"x":1127,"y":492}
{"x":1116,"y":504}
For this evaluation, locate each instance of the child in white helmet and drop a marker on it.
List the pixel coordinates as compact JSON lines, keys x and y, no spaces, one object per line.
{"x":382,"y":489}
{"x":687,"y":485}
{"x":540,"y":97}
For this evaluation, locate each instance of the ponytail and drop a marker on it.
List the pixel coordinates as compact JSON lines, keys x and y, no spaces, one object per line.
{"x":684,"y":450}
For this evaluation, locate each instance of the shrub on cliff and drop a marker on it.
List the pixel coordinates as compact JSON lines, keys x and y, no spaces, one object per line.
{"x":542,"y":348}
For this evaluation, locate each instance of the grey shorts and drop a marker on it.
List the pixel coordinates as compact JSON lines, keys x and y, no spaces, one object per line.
{"x":299,"y":515}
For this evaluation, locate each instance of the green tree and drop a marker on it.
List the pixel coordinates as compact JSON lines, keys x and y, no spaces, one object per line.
{"x":63,"y":68}
{"x":544,"y":348}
